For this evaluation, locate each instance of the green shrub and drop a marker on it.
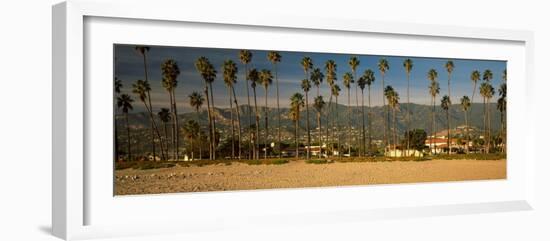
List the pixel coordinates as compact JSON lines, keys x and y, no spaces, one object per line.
{"x":319,"y":161}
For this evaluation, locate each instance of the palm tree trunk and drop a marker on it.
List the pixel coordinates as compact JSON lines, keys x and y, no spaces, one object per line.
{"x":467,"y":132}
{"x":176,"y":126}
{"x":328,"y":124}
{"x":369,"y":120}
{"x":384,"y":118}
{"x":256,"y":142}
{"x":337,"y":124}
{"x":278,"y":113}
{"x":307,"y":127}
{"x":210,"y":131}
{"x":433,"y":125}
{"x":192,"y":149}
{"x":232,"y":124}
{"x":213,"y":119}
{"x":129,"y":142}
{"x":362,"y":146}
{"x":485,"y":124}
{"x":200,"y":138}
{"x":349,"y":123}
{"x":172,"y":129}
{"x":394,"y":134}
{"x":360,"y":138}
{"x":320,"y":133}
{"x":154,"y":128}
{"x":297,"y":135}
{"x":238,"y":120}
{"x":266,"y":126}
{"x":448,"y":117}
{"x":249,"y":114}
{"x":408,"y":114}
{"x":489,"y":124}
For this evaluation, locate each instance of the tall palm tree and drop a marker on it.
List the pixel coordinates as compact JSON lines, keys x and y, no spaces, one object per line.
{"x":124,"y":102}
{"x":246,"y":57}
{"x":266,"y":78}
{"x":307,"y":65}
{"x":319,"y":104}
{"x":253,"y":76}
{"x":142,"y":50}
{"x":143,"y":90}
{"x":335,"y":90}
{"x":383,"y":67}
{"x":118,"y":87}
{"x":296,"y":101}
{"x":274,"y":57}
{"x":165,"y":116}
{"x":445,"y":105}
{"x":501,"y":106}
{"x":191,"y":129}
{"x":487,"y":91}
{"x":196,"y":100}
{"x":369,"y":80}
{"x":330,"y":69}
{"x":353,"y":64}
{"x":348,"y":80}
{"x":434,"y":91}
{"x":208,"y":74}
{"x":465,"y":104}
{"x":362,"y":82}
{"x":230,"y":78}
{"x":449,"y":66}
{"x":488,"y":94}
{"x":408,"y":65}
{"x":306,"y":86}
{"x":317,"y":78}
{"x":170,"y":73}
{"x":393,"y":103}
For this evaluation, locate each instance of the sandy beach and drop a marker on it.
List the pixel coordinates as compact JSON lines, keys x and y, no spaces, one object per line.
{"x":241,"y":176}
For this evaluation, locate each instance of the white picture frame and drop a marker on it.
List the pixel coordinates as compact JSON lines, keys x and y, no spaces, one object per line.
{"x":73,"y":193}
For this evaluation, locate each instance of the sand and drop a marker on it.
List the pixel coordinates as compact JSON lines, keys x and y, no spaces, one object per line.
{"x":297,"y":174}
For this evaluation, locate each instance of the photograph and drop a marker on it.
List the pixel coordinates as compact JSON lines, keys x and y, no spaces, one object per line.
{"x":193,"y":119}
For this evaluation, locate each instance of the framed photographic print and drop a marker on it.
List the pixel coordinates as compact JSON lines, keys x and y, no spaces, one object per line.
{"x":277,"y":118}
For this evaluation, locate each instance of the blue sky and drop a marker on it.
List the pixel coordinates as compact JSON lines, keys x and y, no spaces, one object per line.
{"x":129,"y":68}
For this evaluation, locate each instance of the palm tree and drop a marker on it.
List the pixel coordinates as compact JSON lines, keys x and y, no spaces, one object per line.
{"x":383,"y":67}
{"x":266,"y":78}
{"x":449,"y":66}
{"x":501,"y":106}
{"x":191,"y":129}
{"x":408,"y":65}
{"x":335,"y":90}
{"x":170,"y":72}
{"x":465,"y":103}
{"x":124,"y":102}
{"x":475,"y":77}
{"x":445,"y":104}
{"x":434,"y":91}
{"x":369,"y":80}
{"x":306,"y":86}
{"x":393,"y":103}
{"x":208,"y":74}
{"x":165,"y":116}
{"x":488,"y":91}
{"x":296,"y":101}
{"x":319,"y":104}
{"x":348,"y":80}
{"x":230,"y":78}
{"x":361,"y":82}
{"x":353,"y":64}
{"x":317,"y":78}
{"x":246,"y":56}
{"x":330,"y":68}
{"x":142,"y":50}
{"x":253,"y":76}
{"x":274,"y":57}
{"x":143,"y":90}
{"x":307,"y":65}
{"x":196,"y":100}
{"x":118,"y":86}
